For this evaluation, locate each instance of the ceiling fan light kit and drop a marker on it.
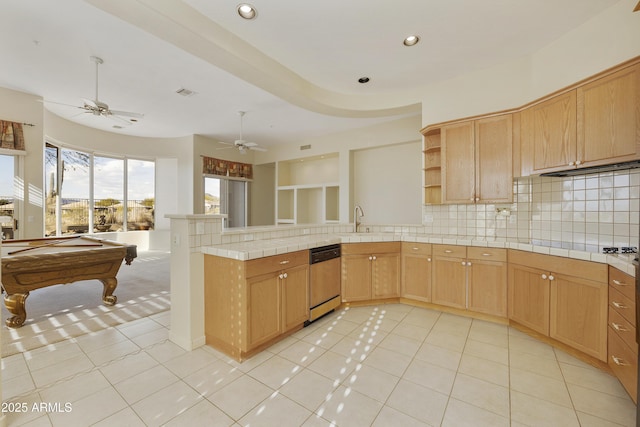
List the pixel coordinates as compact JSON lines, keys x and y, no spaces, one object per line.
{"x":240,"y":144}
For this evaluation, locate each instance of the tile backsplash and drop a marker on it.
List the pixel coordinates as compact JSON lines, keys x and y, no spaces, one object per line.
{"x":584,"y":213}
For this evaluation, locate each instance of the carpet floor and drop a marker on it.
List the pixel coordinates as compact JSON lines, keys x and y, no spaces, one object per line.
{"x":61,"y":312}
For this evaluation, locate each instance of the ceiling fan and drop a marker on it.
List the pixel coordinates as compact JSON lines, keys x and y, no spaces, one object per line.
{"x":241,"y":144}
{"x":99,"y":108}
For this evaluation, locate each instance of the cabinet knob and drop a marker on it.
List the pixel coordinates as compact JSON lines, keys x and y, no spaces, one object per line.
{"x":619,"y":283}
{"x":618,"y":305}
{"x":464,"y":263}
{"x":472,"y":199}
{"x":429,"y":259}
{"x":281,"y":276}
{"x":370,"y":258}
{"x":579,"y":162}
{"x":374,"y":258}
{"x":469,"y":264}
{"x":572,"y":163}
{"x":477,"y":199}
{"x":618,"y":327}
{"x":619,"y":361}
{"x":551,"y":277}
{"x":544,"y":277}
{"x":285,"y":275}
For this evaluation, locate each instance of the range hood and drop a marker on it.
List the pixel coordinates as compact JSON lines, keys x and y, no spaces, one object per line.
{"x":634,"y":164}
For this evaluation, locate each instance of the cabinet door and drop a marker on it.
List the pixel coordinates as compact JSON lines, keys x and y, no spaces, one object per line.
{"x":457,"y":156}
{"x":548,"y":134}
{"x":488,"y":287}
{"x":529,"y":297}
{"x":609,"y":118}
{"x":356,"y":278}
{"x":385,"y":275}
{"x":263,"y":307}
{"x":493,"y":159}
{"x":449,"y":286}
{"x":579,"y":314}
{"x":295,"y":297}
{"x":416,"y":277}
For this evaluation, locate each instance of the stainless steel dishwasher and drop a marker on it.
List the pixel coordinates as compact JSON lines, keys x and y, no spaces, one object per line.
{"x":324,"y":281}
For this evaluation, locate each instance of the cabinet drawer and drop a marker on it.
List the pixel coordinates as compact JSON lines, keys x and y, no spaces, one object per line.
{"x":274,"y":263}
{"x":624,"y":363}
{"x":622,"y":282}
{"x":623,"y":305}
{"x":452,"y":251}
{"x":487,"y":254}
{"x":416,"y":248}
{"x":370,"y":248}
{"x":623,"y":328}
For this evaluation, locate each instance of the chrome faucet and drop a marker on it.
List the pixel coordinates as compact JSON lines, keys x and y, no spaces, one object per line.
{"x":356,"y":223}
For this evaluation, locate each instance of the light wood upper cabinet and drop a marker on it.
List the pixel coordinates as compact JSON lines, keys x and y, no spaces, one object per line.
{"x":548,"y":135}
{"x":477,"y":161}
{"x":609,"y":118}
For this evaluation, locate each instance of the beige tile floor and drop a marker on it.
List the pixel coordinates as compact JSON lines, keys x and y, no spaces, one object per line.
{"x":384,"y":365}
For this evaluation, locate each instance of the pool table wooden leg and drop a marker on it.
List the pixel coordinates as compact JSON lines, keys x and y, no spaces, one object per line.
{"x":109,"y":286}
{"x":15,"y":305}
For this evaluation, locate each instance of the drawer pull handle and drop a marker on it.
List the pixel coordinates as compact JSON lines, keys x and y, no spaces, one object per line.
{"x":486,"y":254}
{"x":284,"y":262}
{"x":618,"y":361}
{"x":618,"y":327}
{"x":415,"y":249}
{"x":448,"y":251}
{"x":619,"y":283}
{"x":618,"y":305}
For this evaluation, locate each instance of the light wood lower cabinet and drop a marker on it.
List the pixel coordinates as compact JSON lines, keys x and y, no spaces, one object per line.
{"x":487,"y":278}
{"x":416,"y":271}
{"x":563,"y":298}
{"x":623,"y":348}
{"x":249,"y":304}
{"x":449,"y":285}
{"x":370,"y":271}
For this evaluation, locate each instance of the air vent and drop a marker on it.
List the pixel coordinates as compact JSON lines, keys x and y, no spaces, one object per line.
{"x":185,"y":92}
{"x":305,"y":147}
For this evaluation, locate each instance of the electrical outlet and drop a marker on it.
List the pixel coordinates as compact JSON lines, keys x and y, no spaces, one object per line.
{"x":175,"y":240}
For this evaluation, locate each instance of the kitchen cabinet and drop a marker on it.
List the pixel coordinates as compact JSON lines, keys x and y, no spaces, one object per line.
{"x":622,"y":345}
{"x":432,"y":168}
{"x":477,"y":161}
{"x":416,"y":271}
{"x":563,"y":298}
{"x":548,"y":134}
{"x":249,"y":304}
{"x":487,"y":279}
{"x":471,"y":278}
{"x":449,"y":286}
{"x":370,"y":271}
{"x":609,"y":118}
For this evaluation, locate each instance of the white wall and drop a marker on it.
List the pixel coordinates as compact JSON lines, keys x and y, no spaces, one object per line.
{"x":25,"y":108}
{"x":387,"y":183}
{"x":602,"y":42}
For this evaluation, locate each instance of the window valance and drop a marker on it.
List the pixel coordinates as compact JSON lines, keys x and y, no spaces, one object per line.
{"x":213,"y":166}
{"x":11,"y":135}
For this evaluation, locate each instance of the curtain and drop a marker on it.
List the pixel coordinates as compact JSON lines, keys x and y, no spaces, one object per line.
{"x":213,"y":166}
{"x":11,"y":135}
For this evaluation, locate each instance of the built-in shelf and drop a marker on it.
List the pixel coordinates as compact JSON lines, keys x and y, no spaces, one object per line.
{"x":432,"y":168}
{"x":308,"y":191}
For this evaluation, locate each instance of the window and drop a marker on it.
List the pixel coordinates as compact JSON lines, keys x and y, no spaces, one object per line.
{"x":97,"y":193}
{"x":226,"y":196}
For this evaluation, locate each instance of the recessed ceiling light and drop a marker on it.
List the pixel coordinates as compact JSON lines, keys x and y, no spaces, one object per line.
{"x":363,"y":80}
{"x":411,"y":40}
{"x":247,"y":11}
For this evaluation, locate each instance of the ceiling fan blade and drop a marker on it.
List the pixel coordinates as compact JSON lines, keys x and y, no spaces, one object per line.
{"x":90,"y":103}
{"x":127,"y":114}
{"x":256,"y":148}
{"x":44,"y":101}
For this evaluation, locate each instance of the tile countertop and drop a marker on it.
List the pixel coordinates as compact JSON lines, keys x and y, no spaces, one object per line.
{"x":253,"y":249}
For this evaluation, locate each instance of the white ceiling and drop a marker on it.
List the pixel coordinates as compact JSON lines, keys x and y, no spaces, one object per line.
{"x":294,"y":69}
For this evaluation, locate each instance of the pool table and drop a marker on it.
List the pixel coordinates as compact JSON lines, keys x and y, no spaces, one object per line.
{"x":28,"y":265}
